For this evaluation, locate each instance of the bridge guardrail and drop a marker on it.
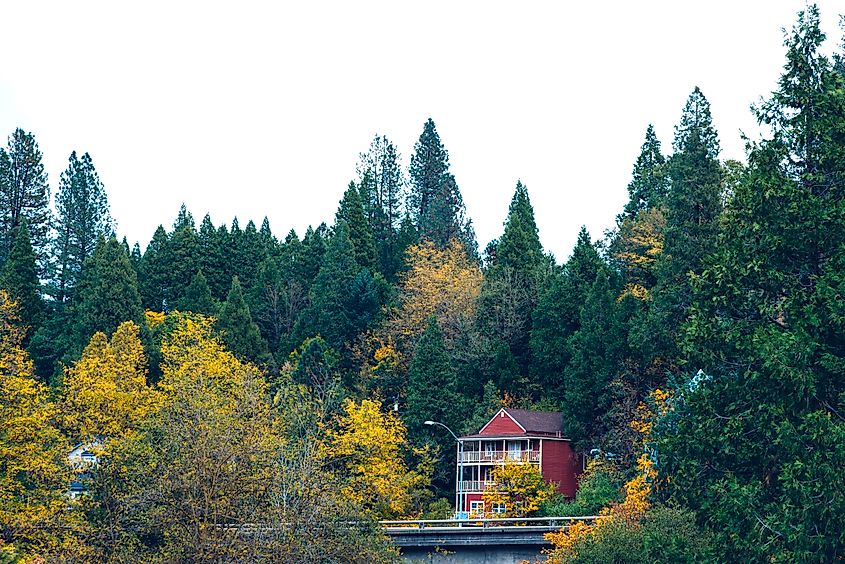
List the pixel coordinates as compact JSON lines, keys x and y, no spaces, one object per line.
{"x":550,"y":522}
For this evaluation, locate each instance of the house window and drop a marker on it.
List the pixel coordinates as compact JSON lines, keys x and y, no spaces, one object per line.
{"x":515,"y":450}
{"x":476,"y":508}
{"x":499,"y":508}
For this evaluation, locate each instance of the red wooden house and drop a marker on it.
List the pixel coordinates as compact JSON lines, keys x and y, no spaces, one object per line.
{"x":514,"y":436}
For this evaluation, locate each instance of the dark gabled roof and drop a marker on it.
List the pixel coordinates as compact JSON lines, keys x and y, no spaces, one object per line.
{"x":538,"y":422}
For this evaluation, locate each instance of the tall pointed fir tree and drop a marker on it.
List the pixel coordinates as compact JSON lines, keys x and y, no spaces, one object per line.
{"x":82,"y":216}
{"x":329,"y":314}
{"x":435,"y":202}
{"x":649,"y":183}
{"x":155,"y":273}
{"x":693,"y":205}
{"x":596,"y":351}
{"x":182,"y":264}
{"x":382,"y":187}
{"x":240,"y":333}
{"x":24,"y":194}
{"x":432,"y":385}
{"x":558,"y":315}
{"x":511,"y":284}
{"x":107,"y":294}
{"x":755,"y":442}
{"x":197,"y":297}
{"x":20,"y":280}
{"x":351,"y":211}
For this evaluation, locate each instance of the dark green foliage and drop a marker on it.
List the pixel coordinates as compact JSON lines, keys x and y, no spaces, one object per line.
{"x":211,"y":259}
{"x":519,"y":246}
{"x":666,"y":535}
{"x":382,"y":188}
{"x":649,"y":183}
{"x":431,"y":387}
{"x":597,"y":350}
{"x":755,"y":444}
{"x":82,"y":215}
{"x":24,"y":195}
{"x":693,"y":205}
{"x":435,"y":202}
{"x":331,"y":314}
{"x":558,"y":315}
{"x":315,"y":364}
{"x":600,"y":486}
{"x":240,"y":334}
{"x":107,"y":294}
{"x":510,"y":292}
{"x":20,"y":280}
{"x":155,"y":273}
{"x":182,"y":252}
{"x":483,"y":410}
{"x":351,"y":211}
{"x":197,"y":297}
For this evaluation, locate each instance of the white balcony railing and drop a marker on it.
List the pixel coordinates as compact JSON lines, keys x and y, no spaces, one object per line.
{"x":501,"y":456}
{"x":477,"y":485}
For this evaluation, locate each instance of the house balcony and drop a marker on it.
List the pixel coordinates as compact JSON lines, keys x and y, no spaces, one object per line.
{"x":476,"y":486}
{"x":500,"y":456}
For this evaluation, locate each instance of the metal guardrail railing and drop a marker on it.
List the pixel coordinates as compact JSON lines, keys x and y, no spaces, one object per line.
{"x":550,"y":522}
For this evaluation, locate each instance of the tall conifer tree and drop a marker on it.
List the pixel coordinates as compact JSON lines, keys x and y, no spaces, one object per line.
{"x":20,"y":280}
{"x":82,"y":216}
{"x":24,"y":194}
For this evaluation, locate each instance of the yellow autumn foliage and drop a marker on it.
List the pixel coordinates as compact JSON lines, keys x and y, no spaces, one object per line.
{"x":34,"y":475}
{"x":633,"y":508}
{"x":520,"y":487}
{"x":370,"y":444}
{"x":440,"y":282}
{"x":106,"y":392}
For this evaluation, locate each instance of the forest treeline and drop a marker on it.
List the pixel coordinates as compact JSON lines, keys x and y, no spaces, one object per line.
{"x":711,"y":317}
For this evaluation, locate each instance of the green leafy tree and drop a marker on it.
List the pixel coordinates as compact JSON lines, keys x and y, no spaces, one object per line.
{"x":82,"y":216}
{"x":330,"y":314}
{"x":754,"y":444}
{"x":24,"y":195}
{"x":693,"y":206}
{"x":511,"y":285}
{"x":155,"y":272}
{"x":432,"y":385}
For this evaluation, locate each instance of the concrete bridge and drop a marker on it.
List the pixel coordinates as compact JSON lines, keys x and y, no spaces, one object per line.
{"x":475,"y":541}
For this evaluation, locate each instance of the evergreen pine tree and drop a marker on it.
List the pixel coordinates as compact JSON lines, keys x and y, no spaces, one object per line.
{"x":435,"y":202}
{"x":20,"y":280}
{"x":182,"y":253}
{"x":558,"y":315}
{"x":432,"y":384}
{"x":24,"y":194}
{"x":352,"y":212}
{"x":107,"y":294}
{"x":155,"y":275}
{"x":240,"y":334}
{"x":330,"y":315}
{"x":649,"y":182}
{"x":210,"y":258}
{"x":596,"y":351}
{"x":197,"y":297}
{"x":82,"y":216}
{"x":693,"y":205}
{"x":519,"y":246}
{"x":382,"y":188}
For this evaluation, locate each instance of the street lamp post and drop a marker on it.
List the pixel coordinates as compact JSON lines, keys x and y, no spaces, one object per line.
{"x":459,"y":470}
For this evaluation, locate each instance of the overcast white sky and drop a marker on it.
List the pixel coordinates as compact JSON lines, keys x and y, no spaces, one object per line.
{"x":250,"y":109}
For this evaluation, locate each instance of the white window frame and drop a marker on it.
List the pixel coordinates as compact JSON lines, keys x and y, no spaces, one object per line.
{"x":476,"y":507}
